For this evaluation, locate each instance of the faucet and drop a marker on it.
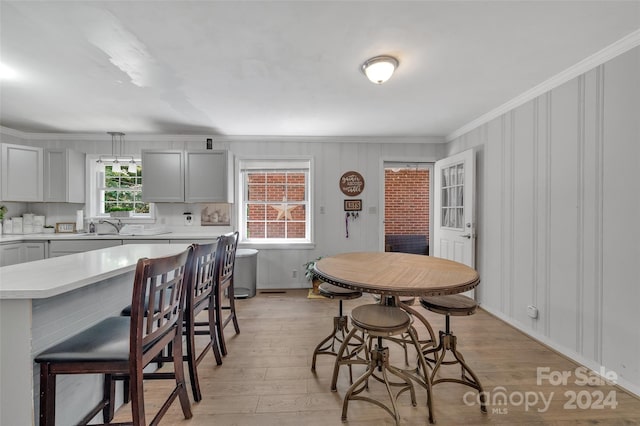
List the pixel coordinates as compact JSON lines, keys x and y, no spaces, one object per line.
{"x":118,"y":225}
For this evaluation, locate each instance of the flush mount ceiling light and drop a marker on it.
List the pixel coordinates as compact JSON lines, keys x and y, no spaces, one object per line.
{"x":380,"y":68}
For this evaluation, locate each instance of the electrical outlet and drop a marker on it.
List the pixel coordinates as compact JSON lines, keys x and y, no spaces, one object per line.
{"x":188,"y":218}
{"x":532,"y":311}
{"x":322,"y":210}
{"x":294,"y":273}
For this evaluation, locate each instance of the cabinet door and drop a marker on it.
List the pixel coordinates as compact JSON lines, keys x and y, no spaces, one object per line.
{"x":162,"y":176}
{"x":22,"y":173}
{"x":10,"y":254}
{"x":206,"y":176}
{"x":64,"y":172}
{"x":32,"y":251}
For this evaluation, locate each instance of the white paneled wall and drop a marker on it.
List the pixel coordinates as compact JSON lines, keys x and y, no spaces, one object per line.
{"x":559,"y":204}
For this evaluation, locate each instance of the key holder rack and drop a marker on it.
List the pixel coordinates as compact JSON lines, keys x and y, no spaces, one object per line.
{"x":352,"y":210}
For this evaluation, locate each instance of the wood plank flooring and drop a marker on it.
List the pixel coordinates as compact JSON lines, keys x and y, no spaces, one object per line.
{"x":266,"y":377}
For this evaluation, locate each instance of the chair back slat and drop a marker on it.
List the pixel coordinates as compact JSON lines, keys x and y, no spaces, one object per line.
{"x":159,"y":291}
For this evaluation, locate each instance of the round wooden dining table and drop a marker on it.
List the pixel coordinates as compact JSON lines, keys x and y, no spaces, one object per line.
{"x":396,"y":274}
{"x":393,"y":275}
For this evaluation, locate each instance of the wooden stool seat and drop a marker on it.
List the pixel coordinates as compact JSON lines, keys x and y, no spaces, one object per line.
{"x":380,"y":321}
{"x":335,"y":292}
{"x":455,"y":304}
{"x":452,"y":305}
{"x":340,"y":323}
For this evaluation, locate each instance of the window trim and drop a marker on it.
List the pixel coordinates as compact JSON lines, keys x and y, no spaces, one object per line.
{"x":306,"y":162}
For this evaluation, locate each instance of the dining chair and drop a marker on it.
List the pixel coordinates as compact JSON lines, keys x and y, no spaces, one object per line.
{"x":451,"y":305}
{"x":224,"y":290}
{"x":123,"y":346}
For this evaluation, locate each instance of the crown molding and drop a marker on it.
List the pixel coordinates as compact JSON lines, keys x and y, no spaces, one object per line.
{"x":12,"y":132}
{"x":145,"y":137}
{"x":619,"y":47}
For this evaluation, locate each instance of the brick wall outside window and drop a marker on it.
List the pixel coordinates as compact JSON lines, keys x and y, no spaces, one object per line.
{"x":407,"y":210}
{"x":269,"y":191}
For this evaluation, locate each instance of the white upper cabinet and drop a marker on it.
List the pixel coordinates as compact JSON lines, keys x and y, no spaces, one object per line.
{"x":163,"y":176}
{"x":22,"y":173}
{"x":64,"y":172}
{"x":174,"y":176}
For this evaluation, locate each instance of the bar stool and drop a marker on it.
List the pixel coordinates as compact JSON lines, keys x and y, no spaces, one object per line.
{"x":201,"y":280}
{"x":200,"y":285}
{"x":381,"y":321}
{"x":406,"y":303}
{"x":340,"y":323}
{"x":456,"y":305}
{"x":225,"y":263}
{"x":124,"y":346}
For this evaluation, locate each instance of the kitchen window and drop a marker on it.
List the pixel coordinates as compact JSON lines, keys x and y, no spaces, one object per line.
{"x":275,"y":202}
{"x":117,"y":191}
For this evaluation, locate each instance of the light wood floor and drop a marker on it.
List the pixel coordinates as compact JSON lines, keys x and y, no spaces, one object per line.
{"x":266,"y":377}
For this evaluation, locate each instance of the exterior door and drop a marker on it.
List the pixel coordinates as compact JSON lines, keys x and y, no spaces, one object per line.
{"x":406,"y":209}
{"x":454,"y":215}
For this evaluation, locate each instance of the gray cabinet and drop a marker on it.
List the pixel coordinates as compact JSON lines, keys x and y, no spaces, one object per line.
{"x":22,"y":173}
{"x":10,"y":254}
{"x":14,"y":253}
{"x":206,"y":176}
{"x":64,"y":172}
{"x":33,"y":251}
{"x":62,"y":248}
{"x":163,"y":176}
{"x":174,"y":176}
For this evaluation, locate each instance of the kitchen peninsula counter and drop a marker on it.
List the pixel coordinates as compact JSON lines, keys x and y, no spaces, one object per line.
{"x":169,"y":235}
{"x":45,"y":301}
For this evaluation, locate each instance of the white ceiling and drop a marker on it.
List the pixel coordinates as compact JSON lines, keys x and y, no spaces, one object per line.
{"x":286,"y":68}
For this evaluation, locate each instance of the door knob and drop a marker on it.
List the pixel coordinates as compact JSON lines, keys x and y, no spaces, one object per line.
{"x":466,"y":236}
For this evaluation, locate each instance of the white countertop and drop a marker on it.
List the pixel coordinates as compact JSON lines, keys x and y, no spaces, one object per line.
{"x":50,"y":277}
{"x":171,"y":235}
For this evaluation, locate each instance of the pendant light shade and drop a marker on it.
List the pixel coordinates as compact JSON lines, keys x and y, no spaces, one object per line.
{"x":132,"y":168}
{"x":380,"y":69}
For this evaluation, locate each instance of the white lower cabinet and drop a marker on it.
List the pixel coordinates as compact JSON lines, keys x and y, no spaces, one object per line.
{"x":14,"y":253}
